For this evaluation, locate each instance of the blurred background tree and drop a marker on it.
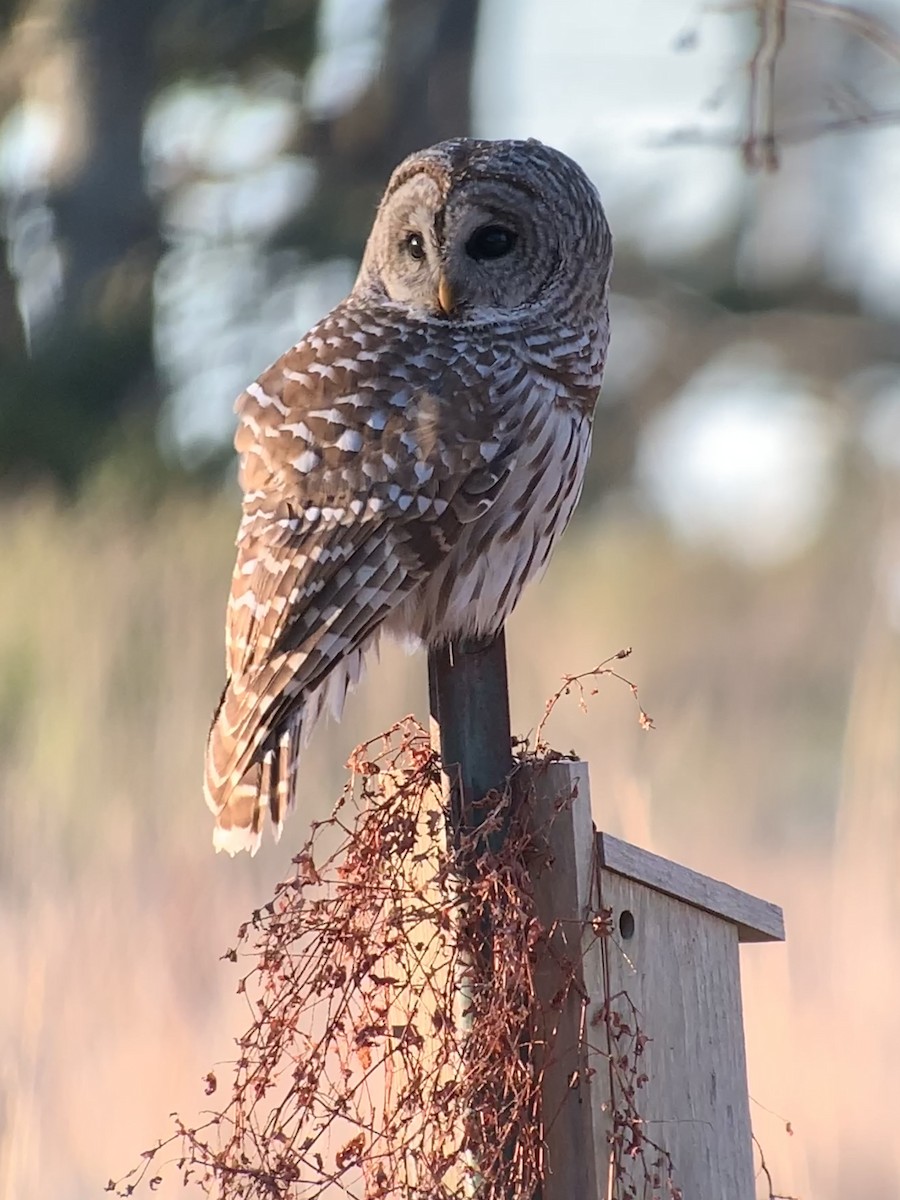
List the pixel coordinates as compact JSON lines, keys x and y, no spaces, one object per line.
{"x":123,"y":190}
{"x":185,"y":187}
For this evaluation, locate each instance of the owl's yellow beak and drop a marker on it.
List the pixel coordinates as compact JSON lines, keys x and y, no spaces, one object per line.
{"x":446,"y":299}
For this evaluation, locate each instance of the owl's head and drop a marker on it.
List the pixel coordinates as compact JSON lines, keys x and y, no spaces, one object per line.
{"x":473,"y":230}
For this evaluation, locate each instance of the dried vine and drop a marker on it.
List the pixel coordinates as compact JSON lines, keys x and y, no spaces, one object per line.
{"x":393,"y":1001}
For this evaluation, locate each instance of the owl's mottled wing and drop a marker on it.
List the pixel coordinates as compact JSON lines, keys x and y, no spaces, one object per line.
{"x":359,"y":470}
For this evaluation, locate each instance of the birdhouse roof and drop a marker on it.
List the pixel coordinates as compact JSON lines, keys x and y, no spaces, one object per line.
{"x":756,"y":920}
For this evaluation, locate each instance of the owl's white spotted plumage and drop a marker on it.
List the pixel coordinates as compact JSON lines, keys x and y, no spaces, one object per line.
{"x":409,"y":465}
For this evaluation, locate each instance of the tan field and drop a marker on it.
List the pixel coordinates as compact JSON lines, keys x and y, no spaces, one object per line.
{"x":775,"y":765}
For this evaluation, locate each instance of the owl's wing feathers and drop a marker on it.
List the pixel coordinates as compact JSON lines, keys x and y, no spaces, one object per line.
{"x":355,"y":489}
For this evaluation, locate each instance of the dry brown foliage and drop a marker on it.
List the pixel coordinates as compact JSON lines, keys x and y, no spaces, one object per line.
{"x":393,"y":1008}
{"x":389,"y":1009}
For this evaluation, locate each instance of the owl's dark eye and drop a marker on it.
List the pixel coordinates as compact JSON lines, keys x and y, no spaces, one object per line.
{"x":490,"y":241}
{"x":415,"y":246}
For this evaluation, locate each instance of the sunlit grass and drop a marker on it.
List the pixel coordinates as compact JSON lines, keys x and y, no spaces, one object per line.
{"x":774,"y":765}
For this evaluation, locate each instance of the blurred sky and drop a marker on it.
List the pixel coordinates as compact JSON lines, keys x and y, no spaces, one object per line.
{"x":614,"y":85}
{"x":741,"y":458}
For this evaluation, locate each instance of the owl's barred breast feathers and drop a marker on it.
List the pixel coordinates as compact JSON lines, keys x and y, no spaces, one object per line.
{"x":406,"y":467}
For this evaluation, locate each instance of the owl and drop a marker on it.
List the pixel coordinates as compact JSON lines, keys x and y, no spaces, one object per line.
{"x":409,"y":465}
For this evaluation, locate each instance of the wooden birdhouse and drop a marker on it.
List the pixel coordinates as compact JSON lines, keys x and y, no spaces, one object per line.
{"x":654,"y":1080}
{"x":638,"y":1043}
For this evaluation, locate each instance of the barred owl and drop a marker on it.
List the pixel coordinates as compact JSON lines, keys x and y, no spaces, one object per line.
{"x":409,"y":465}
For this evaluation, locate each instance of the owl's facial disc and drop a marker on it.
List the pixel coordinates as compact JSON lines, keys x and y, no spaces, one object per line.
{"x":465,"y":255}
{"x":403,"y":252}
{"x":493,"y":250}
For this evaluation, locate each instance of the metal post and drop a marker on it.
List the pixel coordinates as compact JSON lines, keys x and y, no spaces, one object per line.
{"x":469,"y":700}
{"x":469,"y":703}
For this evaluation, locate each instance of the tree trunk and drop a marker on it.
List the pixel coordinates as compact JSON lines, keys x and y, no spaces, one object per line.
{"x":93,"y":365}
{"x":421,"y":94}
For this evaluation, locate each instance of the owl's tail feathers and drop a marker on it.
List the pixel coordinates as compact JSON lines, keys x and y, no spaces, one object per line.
{"x":253,"y":749}
{"x":241,"y":789}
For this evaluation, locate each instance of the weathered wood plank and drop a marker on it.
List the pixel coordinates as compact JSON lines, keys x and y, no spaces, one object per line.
{"x":756,"y":920}
{"x":670,"y":971}
{"x":563,"y":893}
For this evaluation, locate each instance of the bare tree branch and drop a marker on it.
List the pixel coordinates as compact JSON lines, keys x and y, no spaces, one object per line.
{"x":759,"y":144}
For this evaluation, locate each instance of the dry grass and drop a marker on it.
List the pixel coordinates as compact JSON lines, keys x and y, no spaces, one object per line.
{"x":775,"y":765}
